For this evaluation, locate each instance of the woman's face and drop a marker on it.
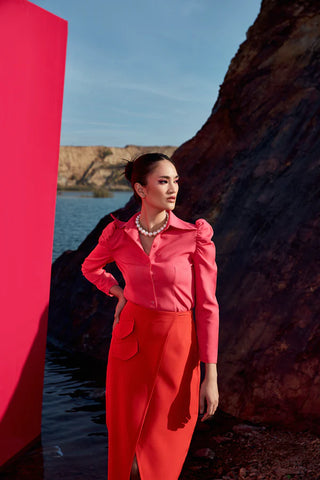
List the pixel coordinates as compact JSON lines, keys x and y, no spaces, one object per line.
{"x":162,"y":187}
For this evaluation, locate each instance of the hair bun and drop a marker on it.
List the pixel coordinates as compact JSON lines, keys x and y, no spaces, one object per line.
{"x":128,"y":170}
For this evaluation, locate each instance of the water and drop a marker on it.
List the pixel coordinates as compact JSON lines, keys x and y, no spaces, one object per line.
{"x":74,"y":436}
{"x":77,"y":214}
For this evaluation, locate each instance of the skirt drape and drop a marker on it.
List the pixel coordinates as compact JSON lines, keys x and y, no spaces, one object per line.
{"x":152,"y":392}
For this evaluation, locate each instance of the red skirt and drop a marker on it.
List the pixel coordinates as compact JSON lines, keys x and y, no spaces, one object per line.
{"x":152,"y":392}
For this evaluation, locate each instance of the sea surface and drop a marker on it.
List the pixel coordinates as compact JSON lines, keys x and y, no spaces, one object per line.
{"x":77,"y":213}
{"x":74,"y":440}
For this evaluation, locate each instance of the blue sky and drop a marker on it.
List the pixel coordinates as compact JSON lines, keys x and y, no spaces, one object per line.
{"x":145,"y":72}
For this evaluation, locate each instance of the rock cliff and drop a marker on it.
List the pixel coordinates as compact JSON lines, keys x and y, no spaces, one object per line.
{"x":98,"y":166}
{"x":253,"y":171}
{"x":255,"y":175}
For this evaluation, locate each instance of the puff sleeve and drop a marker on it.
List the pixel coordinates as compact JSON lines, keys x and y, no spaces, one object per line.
{"x":206,"y":305}
{"x":92,"y":267}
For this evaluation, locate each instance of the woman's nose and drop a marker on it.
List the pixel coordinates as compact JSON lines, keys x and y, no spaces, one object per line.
{"x":172,"y":187}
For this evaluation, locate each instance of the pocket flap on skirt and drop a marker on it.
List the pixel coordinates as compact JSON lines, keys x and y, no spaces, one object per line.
{"x":125,"y":349}
{"x":124,"y":328}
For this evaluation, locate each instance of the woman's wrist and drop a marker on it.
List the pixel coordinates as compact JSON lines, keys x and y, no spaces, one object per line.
{"x":116,"y":291}
{"x":211,"y":372}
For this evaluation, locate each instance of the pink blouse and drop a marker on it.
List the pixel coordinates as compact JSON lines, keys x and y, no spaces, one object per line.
{"x":179,"y":273}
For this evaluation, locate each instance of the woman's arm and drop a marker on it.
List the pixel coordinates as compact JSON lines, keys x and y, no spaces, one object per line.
{"x":117,"y":291}
{"x":209,"y":394}
{"x":92,"y":267}
{"x":207,"y":316}
{"x":206,"y":305}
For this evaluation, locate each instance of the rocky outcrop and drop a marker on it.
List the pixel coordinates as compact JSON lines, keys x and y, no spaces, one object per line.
{"x":98,"y":166}
{"x":253,"y":172}
{"x":255,"y":175}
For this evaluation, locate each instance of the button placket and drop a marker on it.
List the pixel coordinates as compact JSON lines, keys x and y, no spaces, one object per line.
{"x":152,"y":302}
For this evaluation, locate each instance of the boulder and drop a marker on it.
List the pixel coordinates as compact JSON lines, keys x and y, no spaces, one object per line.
{"x":253,"y":172}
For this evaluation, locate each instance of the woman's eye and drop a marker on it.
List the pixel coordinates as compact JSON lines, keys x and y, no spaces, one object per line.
{"x":162,"y":182}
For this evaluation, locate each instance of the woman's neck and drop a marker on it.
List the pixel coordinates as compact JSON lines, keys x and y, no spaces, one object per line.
{"x":152,"y":219}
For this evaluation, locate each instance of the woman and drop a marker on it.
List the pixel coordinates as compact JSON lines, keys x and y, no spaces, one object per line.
{"x":152,"y":388}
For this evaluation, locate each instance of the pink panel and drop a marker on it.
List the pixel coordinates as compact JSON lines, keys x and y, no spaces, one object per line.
{"x":33,"y":51}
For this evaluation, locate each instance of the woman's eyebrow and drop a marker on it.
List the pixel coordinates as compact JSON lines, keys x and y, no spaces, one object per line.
{"x":167,"y":176}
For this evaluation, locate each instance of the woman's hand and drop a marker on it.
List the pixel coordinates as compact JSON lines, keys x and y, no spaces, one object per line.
{"x":118,"y":292}
{"x":209,"y":392}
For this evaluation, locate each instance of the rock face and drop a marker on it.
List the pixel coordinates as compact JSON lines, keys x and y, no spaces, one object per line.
{"x":253,"y":172}
{"x":98,"y":166}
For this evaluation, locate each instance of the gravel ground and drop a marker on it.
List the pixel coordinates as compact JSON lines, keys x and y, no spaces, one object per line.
{"x":223,"y":448}
{"x":226,"y":449}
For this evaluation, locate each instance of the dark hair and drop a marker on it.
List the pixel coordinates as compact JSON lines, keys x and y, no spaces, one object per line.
{"x":137,"y":170}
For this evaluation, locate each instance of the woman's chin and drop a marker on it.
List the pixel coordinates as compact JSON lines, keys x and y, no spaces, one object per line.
{"x":170,"y":206}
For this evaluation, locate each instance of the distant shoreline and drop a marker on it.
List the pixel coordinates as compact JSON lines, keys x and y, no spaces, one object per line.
{"x":97,"y":192}
{"x":91,"y":188}
{"x":98,"y":168}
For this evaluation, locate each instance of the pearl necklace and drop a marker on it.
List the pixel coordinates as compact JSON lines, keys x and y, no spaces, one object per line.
{"x":146,"y":232}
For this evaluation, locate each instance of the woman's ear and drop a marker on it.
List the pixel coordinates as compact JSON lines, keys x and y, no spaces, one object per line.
{"x":139,"y":189}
